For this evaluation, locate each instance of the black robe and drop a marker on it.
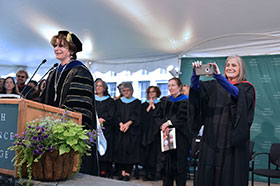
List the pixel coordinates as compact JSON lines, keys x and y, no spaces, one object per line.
{"x":126,"y":149}
{"x":75,"y":93}
{"x":224,"y":151}
{"x":150,"y":137}
{"x":106,"y":110}
{"x":178,"y":113}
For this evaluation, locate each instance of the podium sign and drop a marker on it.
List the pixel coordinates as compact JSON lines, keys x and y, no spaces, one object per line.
{"x":8,"y":128}
{"x":14,"y":114}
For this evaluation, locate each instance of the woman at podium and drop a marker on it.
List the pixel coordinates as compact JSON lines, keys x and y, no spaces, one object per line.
{"x":70,"y":86}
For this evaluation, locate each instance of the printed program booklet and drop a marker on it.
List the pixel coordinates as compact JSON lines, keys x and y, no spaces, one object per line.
{"x":168,"y":142}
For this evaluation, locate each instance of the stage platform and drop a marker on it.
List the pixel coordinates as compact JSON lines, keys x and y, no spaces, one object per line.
{"x":87,"y":180}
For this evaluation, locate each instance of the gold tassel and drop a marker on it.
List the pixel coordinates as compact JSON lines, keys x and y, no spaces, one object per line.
{"x":69,"y":37}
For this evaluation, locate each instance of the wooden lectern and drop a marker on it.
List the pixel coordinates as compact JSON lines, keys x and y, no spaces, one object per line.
{"x":14,"y":114}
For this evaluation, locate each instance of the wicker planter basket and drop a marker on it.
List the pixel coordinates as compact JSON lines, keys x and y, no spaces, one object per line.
{"x":52,"y":167}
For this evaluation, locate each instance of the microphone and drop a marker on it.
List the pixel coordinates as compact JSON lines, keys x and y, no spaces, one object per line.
{"x":53,"y":67}
{"x":21,"y":93}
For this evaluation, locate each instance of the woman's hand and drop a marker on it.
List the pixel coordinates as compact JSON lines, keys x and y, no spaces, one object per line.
{"x":101,"y":120}
{"x":215,"y":68}
{"x":164,"y":126}
{"x":151,"y":105}
{"x":125,"y":127}
{"x":121,"y":126}
{"x":196,"y":64}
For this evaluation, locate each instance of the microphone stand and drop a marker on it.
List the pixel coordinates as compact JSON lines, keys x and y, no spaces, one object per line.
{"x":53,"y":67}
{"x":21,"y":93}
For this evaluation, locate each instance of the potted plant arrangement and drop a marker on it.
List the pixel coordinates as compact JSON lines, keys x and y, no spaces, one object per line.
{"x":51,"y":149}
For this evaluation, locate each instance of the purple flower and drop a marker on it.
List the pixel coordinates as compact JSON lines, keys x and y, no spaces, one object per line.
{"x":41,"y":147}
{"x":35,"y":152}
{"x":91,"y":139}
{"x":51,"y":149}
{"x":41,"y":138}
{"x":34,"y":144}
{"x":34,"y":138}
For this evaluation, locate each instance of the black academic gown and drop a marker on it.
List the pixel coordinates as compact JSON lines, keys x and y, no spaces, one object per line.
{"x":126,"y":148}
{"x":75,"y":92}
{"x":150,"y":138}
{"x":178,"y":113}
{"x":224,"y":153}
{"x":106,"y":110}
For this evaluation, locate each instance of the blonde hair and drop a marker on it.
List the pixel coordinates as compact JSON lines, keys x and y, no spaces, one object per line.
{"x":242,"y":70}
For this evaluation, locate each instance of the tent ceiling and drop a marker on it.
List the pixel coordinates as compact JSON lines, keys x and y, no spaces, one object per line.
{"x":134,"y":34}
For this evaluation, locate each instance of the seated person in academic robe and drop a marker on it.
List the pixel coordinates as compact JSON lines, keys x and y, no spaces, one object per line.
{"x":70,"y":86}
{"x":173,"y":113}
{"x":127,"y":137}
{"x":225,"y":106}
{"x":150,"y":137}
{"x":105,"y":107}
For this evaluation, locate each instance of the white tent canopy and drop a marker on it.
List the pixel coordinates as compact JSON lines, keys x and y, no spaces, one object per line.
{"x":136,"y":34}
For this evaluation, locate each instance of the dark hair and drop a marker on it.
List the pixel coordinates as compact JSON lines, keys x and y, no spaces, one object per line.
{"x":39,"y":86}
{"x":178,"y":82}
{"x":62,"y":40}
{"x":4,"y":90}
{"x":104,"y":85}
{"x":34,"y":82}
{"x":158,"y":92}
{"x":120,"y":89}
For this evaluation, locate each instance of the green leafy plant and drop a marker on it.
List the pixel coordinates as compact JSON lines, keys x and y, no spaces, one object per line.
{"x":50,"y":134}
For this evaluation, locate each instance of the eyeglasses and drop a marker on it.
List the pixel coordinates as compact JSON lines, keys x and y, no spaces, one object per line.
{"x":151,"y":91}
{"x":19,"y":76}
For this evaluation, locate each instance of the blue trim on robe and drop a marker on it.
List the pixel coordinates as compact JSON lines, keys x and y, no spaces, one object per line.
{"x":179,"y":98}
{"x":155,"y":101}
{"x":97,"y":98}
{"x":125,"y":100}
{"x":233,"y":90}
{"x":69,"y":65}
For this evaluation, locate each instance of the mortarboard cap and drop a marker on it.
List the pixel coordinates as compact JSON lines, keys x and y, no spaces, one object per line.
{"x":70,"y":37}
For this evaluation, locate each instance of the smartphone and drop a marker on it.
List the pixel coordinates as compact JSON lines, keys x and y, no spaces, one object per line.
{"x":204,"y":70}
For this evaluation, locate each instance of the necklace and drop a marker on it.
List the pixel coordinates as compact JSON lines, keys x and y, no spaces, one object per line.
{"x":57,"y":78}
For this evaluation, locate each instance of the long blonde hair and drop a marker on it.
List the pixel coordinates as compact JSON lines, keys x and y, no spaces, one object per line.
{"x":242,"y":70}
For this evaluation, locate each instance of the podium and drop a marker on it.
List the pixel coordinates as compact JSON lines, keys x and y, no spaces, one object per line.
{"x":14,"y":114}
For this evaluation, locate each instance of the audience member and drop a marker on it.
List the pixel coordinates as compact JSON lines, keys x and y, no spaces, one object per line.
{"x":225,"y":106}
{"x":21,"y":77}
{"x":9,"y":86}
{"x":32,"y":83}
{"x":40,"y":94}
{"x":1,"y":84}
